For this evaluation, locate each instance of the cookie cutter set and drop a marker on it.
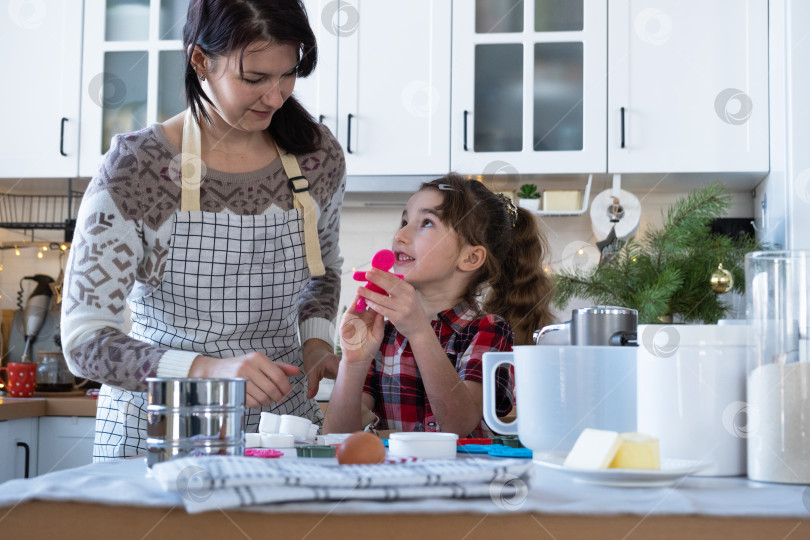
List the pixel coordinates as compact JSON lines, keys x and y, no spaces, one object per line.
{"x":281,"y":431}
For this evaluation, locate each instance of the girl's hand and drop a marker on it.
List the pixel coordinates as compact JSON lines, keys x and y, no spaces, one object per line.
{"x":267,"y":381}
{"x":360,"y":334}
{"x":401,"y":306}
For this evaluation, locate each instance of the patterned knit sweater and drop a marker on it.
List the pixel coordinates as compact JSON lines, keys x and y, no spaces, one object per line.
{"x":123,"y":238}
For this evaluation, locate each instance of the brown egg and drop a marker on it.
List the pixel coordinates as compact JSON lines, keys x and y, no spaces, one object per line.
{"x":361,"y":448}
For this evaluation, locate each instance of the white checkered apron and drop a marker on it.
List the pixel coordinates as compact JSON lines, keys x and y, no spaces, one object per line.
{"x":231,"y":286}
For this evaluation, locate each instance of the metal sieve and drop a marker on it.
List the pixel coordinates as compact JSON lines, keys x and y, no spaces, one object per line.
{"x":194,"y":417}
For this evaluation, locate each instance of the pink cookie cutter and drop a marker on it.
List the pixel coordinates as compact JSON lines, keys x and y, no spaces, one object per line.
{"x":382,"y":260}
{"x":263,"y":452}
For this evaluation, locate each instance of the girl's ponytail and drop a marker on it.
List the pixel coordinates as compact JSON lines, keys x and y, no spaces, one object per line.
{"x":523,"y":291}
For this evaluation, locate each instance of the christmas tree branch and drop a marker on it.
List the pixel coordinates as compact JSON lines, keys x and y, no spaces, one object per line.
{"x":669,"y":270}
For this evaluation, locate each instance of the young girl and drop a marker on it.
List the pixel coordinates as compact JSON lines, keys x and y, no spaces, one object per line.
{"x":421,"y":370}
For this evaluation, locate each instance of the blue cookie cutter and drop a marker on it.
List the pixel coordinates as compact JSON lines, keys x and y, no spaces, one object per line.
{"x":499,"y":450}
{"x":474,"y":448}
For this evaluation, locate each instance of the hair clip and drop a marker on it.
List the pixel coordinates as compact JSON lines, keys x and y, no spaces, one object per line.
{"x":445,"y":187}
{"x":511,"y":209}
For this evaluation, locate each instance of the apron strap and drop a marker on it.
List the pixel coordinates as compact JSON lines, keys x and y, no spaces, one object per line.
{"x":303,"y":202}
{"x":190,"y":174}
{"x":190,"y":165}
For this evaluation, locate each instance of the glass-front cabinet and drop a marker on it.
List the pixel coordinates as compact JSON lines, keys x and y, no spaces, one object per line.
{"x":132,"y":71}
{"x":529,"y":86}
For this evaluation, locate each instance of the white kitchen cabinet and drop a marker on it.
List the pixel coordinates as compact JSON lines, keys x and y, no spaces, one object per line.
{"x":688,"y":86}
{"x":132,"y":70}
{"x":41,"y":45}
{"x":390,"y":63}
{"x":319,"y":91}
{"x":626,"y":86}
{"x":65,"y":442}
{"x":18,"y":448}
{"x":529,"y":86}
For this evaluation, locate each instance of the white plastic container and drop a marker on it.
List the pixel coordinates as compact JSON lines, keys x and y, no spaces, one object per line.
{"x":313,"y":433}
{"x":277,"y":440}
{"x":253,"y":440}
{"x":269,"y":423}
{"x":332,"y":438}
{"x":296,"y":426}
{"x":425,"y":445}
{"x":691,"y":393}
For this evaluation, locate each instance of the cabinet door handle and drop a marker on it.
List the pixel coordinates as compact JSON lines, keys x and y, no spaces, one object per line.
{"x":62,"y":139}
{"x":466,"y":113}
{"x":27,"y":456}
{"x":349,"y":134}
{"x":622,"y":125}
{"x":320,"y":118}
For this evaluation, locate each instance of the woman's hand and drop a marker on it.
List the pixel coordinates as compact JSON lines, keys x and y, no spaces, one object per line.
{"x":360,"y":334}
{"x":320,"y":361}
{"x":267,"y":381}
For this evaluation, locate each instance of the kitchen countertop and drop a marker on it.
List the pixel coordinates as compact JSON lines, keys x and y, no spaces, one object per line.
{"x":14,"y":408}
{"x":70,"y":405}
{"x":109,"y":494}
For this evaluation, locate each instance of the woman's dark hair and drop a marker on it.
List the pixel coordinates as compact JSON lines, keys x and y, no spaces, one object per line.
{"x":512,"y":282}
{"x":222,"y":27}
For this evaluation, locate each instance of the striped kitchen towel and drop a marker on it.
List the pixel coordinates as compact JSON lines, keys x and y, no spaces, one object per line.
{"x":222,"y":482}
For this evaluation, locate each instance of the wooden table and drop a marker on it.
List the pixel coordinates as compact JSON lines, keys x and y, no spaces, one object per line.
{"x":85,"y":521}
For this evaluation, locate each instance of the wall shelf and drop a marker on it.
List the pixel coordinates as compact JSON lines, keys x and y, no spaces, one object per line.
{"x":49,"y":212}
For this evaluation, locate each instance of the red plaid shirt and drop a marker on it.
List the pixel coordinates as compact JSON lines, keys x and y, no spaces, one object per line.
{"x":394,"y":381}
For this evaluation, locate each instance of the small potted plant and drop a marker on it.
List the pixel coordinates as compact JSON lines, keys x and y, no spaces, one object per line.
{"x":529,"y":197}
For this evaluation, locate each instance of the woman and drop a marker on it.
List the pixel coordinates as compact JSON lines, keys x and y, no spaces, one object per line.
{"x":207,"y":230}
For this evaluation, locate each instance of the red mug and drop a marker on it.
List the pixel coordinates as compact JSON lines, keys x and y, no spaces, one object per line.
{"x":21,"y":378}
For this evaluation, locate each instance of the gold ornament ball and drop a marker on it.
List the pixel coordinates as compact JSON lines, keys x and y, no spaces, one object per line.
{"x":721,"y":281}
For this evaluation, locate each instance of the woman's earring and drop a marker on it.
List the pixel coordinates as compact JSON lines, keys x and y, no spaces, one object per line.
{"x":201,"y":76}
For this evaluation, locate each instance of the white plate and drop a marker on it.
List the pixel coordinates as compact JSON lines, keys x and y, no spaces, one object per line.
{"x":671,"y":471}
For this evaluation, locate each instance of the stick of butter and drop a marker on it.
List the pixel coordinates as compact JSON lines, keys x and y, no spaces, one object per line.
{"x":594,"y":449}
{"x":637,"y":451}
{"x":570,"y":200}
